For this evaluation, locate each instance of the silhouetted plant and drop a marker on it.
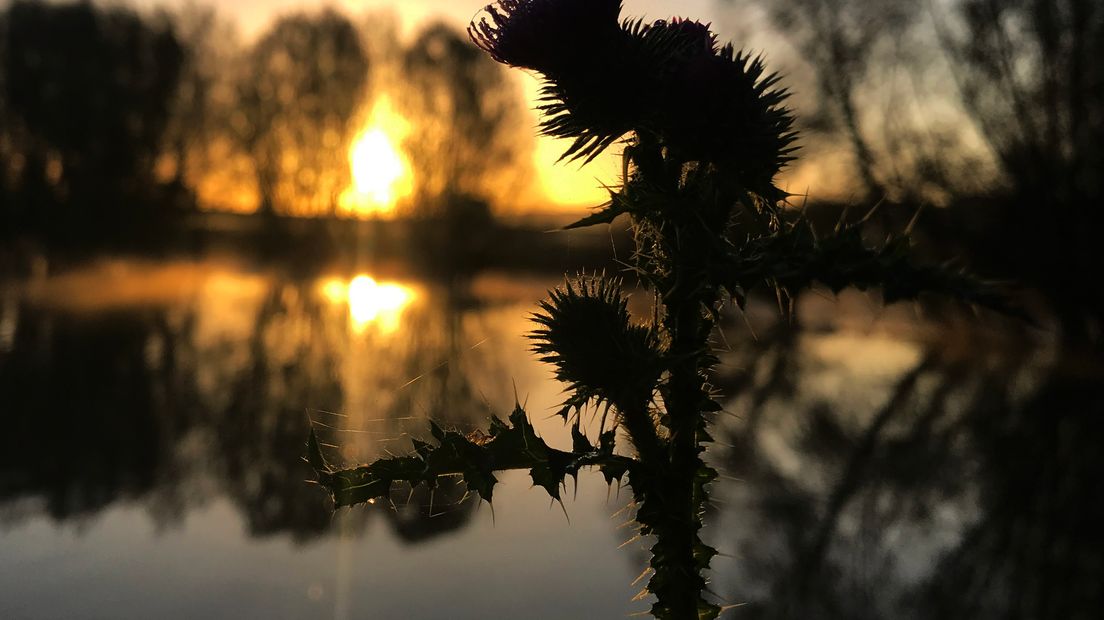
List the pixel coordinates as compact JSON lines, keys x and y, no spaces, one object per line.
{"x":707,"y":133}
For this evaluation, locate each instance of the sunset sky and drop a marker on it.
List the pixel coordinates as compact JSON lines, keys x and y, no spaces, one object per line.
{"x":253,"y":15}
{"x":564,"y":185}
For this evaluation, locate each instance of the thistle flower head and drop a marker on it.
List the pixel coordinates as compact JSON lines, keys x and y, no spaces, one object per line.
{"x":550,"y":36}
{"x":688,"y":38}
{"x":668,"y":78}
{"x":586,"y":333}
{"x":722,"y":106}
{"x":714,"y":104}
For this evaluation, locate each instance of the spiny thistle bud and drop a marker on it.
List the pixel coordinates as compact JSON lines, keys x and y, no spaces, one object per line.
{"x":722,"y":108}
{"x":587,"y":334}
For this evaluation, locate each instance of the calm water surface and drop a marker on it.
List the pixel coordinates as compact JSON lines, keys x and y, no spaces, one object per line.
{"x":874,"y":465}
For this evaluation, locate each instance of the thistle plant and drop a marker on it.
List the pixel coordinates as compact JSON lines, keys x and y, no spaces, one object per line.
{"x":705,"y":132}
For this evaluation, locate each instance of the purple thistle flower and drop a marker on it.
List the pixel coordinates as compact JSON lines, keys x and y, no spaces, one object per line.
{"x":549,"y":36}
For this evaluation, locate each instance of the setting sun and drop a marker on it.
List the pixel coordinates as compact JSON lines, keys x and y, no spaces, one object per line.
{"x":376,"y":166}
{"x":381,"y":173}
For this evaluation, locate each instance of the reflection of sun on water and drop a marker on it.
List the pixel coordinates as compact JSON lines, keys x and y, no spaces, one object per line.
{"x":371,"y":303}
{"x":381,"y":173}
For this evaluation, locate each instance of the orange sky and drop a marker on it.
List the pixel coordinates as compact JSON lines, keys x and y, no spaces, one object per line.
{"x":562,"y":185}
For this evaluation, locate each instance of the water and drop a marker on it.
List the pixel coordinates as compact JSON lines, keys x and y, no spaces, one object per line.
{"x":875,"y":465}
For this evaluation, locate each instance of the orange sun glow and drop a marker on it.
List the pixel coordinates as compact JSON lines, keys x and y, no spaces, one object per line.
{"x":381,"y":172}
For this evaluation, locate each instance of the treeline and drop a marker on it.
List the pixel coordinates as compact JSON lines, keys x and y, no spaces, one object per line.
{"x":992,"y":108}
{"x":114,"y":123}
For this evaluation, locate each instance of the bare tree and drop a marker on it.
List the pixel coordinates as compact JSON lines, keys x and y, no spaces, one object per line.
{"x":468,"y":138}
{"x":839,"y":39}
{"x":1031,"y":78}
{"x":204,"y":102}
{"x":86,"y":102}
{"x":303,"y":82}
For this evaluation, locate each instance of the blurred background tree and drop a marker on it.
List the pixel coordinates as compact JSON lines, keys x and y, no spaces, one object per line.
{"x":196,"y":140}
{"x":881,"y":93}
{"x":302,"y":83}
{"x":838,"y":39}
{"x":87,"y":94}
{"x":468,"y":145}
{"x":6,"y":152}
{"x":990,"y":108}
{"x":1031,"y":79}
{"x":469,"y":140}
{"x":165,"y":111}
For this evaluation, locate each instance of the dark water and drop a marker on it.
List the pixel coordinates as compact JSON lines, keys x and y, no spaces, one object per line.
{"x":876,"y":466}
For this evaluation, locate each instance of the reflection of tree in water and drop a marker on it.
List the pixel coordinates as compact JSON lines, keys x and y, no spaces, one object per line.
{"x":290,"y":368}
{"x":441,"y":362}
{"x":972,"y":490}
{"x":93,"y":411}
{"x":425,"y":513}
{"x":139,"y":406}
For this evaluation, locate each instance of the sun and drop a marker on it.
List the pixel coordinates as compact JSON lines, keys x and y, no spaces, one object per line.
{"x":381,"y":172}
{"x":376,"y":166}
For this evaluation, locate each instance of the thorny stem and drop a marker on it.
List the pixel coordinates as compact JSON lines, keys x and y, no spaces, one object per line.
{"x":674,"y":494}
{"x":642,"y":433}
{"x":684,"y":492}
